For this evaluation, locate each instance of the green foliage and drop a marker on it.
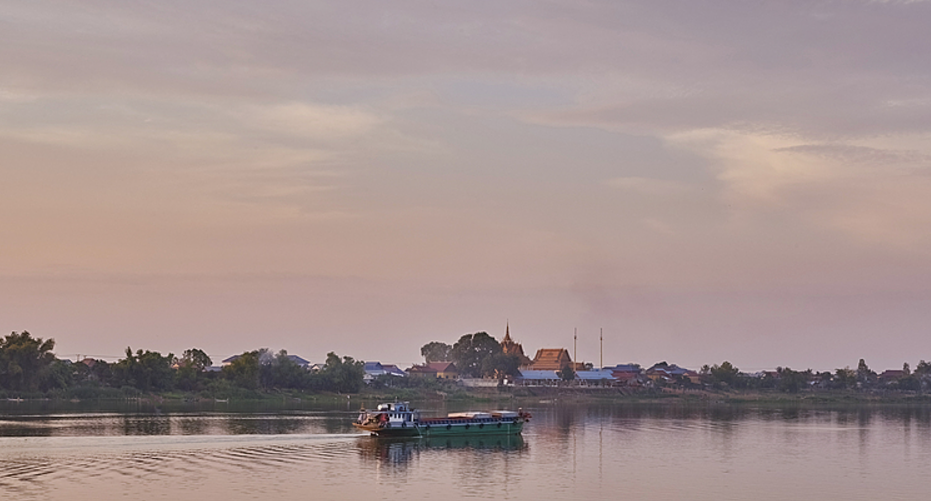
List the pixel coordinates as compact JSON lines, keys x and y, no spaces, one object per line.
{"x":24,"y":361}
{"x":725,"y":374}
{"x":144,"y":370}
{"x":792,"y":381}
{"x":471,"y":351}
{"x":909,"y":383}
{"x":864,"y":374}
{"x":189,"y":373}
{"x":280,"y":371}
{"x":244,"y":371}
{"x":923,"y":368}
{"x":59,"y":375}
{"x":343,"y":375}
{"x":29,"y":369}
{"x":845,"y":378}
{"x":501,"y":365}
{"x":566,"y":374}
{"x":435,"y":351}
{"x":195,"y":358}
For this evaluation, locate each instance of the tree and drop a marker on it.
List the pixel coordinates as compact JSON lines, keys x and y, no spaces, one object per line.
{"x":470,"y":352}
{"x":501,"y":365}
{"x":845,"y":378}
{"x":196,"y":359}
{"x":725,"y":373}
{"x":282,"y":372}
{"x":244,"y":370}
{"x":23,"y":361}
{"x":435,"y":351}
{"x":906,"y":369}
{"x":567,"y":373}
{"x":343,"y":375}
{"x":923,"y":368}
{"x":792,"y":381}
{"x":145,"y":370}
{"x":864,"y":374}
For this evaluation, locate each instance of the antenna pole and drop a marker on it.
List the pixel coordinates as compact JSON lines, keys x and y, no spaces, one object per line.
{"x":575,"y":344}
{"x":601,"y":339}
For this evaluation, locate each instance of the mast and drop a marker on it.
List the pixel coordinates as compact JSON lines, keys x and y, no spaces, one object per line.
{"x":575,"y":345}
{"x":601,"y":339}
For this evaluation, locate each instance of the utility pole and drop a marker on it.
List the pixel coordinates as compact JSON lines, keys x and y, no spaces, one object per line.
{"x":601,"y":339}
{"x":575,"y":344}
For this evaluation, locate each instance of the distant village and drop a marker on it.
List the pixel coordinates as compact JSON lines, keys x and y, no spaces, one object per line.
{"x":555,"y":367}
{"x":29,"y":367}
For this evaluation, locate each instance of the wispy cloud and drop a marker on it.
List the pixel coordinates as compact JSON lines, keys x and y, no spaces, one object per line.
{"x":648,"y":186}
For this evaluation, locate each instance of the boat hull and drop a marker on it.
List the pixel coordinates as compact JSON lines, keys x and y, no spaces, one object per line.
{"x":446,"y":429}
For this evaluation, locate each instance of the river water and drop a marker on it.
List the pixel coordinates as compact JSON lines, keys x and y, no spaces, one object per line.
{"x":568,"y":451}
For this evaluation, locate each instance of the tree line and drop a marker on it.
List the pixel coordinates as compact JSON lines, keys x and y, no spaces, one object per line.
{"x":475,"y":355}
{"x":726,"y":375}
{"x":28,"y":366}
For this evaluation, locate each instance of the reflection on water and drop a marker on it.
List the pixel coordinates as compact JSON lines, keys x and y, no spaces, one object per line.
{"x":403,"y":450}
{"x":567,"y":451}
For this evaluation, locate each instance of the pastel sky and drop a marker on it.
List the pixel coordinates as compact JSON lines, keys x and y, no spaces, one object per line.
{"x":705,"y":180}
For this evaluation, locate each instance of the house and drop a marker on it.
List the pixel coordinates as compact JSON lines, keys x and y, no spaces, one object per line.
{"x":530,"y":377}
{"x":301,"y":362}
{"x":438,"y":370}
{"x":373,"y":369}
{"x":891,"y":375}
{"x":422,"y":371}
{"x":626,"y":374}
{"x":376,"y":369}
{"x":595,"y":377}
{"x":672,"y":373}
{"x":393,"y":370}
{"x":304,"y":364}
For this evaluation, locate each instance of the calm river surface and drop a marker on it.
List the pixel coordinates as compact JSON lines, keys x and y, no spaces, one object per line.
{"x":567,"y":452}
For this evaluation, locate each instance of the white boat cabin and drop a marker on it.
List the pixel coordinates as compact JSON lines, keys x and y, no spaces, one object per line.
{"x":398,"y":413}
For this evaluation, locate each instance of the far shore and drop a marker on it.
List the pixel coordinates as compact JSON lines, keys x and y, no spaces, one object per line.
{"x":526,"y":396}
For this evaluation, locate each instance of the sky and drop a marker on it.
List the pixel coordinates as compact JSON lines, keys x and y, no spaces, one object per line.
{"x":701,"y":180}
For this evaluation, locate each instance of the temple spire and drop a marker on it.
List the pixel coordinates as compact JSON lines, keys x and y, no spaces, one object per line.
{"x":507,"y":332}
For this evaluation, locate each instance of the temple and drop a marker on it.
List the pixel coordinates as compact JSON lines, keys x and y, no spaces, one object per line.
{"x":553,"y":359}
{"x":509,"y":347}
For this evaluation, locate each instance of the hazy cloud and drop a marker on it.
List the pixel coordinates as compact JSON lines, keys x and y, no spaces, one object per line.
{"x":693,"y":174}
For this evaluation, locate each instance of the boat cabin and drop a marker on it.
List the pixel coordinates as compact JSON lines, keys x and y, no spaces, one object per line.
{"x":398,"y":413}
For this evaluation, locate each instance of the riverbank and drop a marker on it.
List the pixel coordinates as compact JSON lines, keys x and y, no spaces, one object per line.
{"x":519,"y":395}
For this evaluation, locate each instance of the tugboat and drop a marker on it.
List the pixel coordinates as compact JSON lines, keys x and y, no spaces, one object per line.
{"x":398,"y":419}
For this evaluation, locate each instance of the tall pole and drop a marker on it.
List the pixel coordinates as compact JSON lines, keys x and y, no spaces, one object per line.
{"x":575,"y":344}
{"x":601,"y":339}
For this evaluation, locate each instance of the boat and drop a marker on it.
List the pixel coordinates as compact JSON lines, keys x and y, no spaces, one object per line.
{"x":399,"y":419}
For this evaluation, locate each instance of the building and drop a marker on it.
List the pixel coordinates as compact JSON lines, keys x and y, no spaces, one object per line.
{"x":595,"y":378}
{"x":509,"y":347}
{"x":892,"y":375}
{"x":672,"y":373}
{"x":438,"y":370}
{"x":553,"y":359}
{"x":393,"y":370}
{"x":530,"y":377}
{"x":626,"y":374}
{"x":300,"y":361}
{"x":376,"y":369}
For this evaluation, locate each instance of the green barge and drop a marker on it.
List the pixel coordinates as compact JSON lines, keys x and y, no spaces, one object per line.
{"x":398,"y":419}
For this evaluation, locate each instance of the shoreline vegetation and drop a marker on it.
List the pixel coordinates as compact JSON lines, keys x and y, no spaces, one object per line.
{"x":30,"y":372}
{"x":509,"y":396}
